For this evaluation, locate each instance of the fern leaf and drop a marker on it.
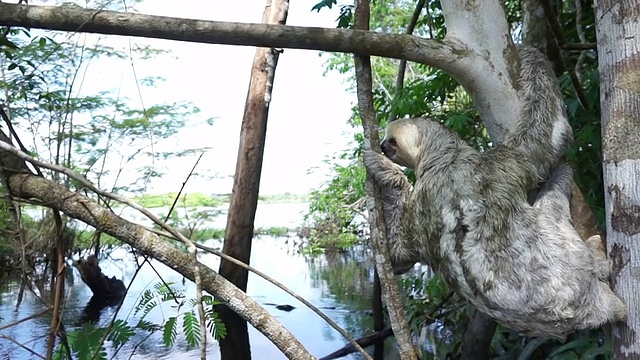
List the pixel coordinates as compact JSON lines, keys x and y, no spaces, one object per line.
{"x":86,"y":342}
{"x":147,"y":326}
{"x":191,"y":328}
{"x":209,"y":300}
{"x":121,"y":332}
{"x":148,"y":307}
{"x":170,"y":331}
{"x":216,"y":327}
{"x":146,"y":296}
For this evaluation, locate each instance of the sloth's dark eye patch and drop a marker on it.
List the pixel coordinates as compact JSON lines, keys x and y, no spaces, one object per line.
{"x":393,"y":142}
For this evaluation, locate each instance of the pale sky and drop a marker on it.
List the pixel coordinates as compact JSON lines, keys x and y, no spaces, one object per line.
{"x":308,"y":111}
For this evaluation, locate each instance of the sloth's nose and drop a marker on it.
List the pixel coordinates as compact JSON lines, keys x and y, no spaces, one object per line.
{"x":387,"y":149}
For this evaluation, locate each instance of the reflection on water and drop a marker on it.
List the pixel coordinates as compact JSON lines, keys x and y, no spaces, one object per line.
{"x":339,"y":283}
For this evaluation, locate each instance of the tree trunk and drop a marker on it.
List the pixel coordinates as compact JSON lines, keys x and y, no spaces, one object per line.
{"x":390,"y":291}
{"x":246,"y":184}
{"x":617,"y":29}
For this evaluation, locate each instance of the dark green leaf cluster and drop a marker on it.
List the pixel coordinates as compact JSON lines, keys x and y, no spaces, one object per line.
{"x":87,"y":341}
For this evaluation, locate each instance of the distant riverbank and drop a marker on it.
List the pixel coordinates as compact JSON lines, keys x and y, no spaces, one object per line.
{"x":210,"y":200}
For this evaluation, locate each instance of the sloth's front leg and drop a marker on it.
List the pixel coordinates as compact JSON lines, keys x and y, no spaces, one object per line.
{"x":395,"y":191}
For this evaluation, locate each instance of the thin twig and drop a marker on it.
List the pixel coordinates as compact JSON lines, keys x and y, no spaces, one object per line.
{"x":583,"y":39}
{"x":580,"y":46}
{"x":18,"y":322}
{"x":8,"y":338}
{"x":59,"y":283}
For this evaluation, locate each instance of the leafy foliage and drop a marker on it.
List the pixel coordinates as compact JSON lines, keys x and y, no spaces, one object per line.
{"x":99,"y":134}
{"x":120,"y":333}
{"x":85,"y":343}
{"x":191,"y":328}
{"x":216,"y":327}
{"x":170,"y":331}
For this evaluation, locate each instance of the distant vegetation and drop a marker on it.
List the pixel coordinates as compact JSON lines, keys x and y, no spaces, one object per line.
{"x":214,"y":200}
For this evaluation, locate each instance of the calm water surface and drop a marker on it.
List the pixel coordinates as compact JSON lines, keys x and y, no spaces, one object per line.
{"x":338,"y":283}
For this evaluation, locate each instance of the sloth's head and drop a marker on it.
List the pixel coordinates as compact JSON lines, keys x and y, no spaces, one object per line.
{"x":402,"y":142}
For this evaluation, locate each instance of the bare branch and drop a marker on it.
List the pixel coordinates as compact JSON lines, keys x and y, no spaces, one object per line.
{"x":452,"y":54}
{"x":361,"y":42}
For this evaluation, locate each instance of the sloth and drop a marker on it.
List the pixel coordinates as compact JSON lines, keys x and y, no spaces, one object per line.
{"x":467,"y":215}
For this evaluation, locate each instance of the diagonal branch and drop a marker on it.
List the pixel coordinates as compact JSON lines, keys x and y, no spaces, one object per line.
{"x":80,"y":207}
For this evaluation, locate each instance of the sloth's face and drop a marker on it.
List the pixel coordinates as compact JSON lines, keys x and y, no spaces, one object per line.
{"x":401,"y":143}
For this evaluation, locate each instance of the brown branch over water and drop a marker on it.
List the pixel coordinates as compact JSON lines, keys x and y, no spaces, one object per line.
{"x":88,"y":211}
{"x":452,"y":54}
{"x":78,"y":206}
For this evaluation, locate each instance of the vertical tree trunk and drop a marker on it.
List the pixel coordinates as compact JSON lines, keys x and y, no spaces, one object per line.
{"x":244,"y":199}
{"x":617,"y":29}
{"x":390,"y":291}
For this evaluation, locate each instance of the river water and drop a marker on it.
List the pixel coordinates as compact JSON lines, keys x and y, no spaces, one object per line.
{"x":339,"y":283}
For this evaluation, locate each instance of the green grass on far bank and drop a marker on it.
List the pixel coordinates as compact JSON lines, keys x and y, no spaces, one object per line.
{"x":86,"y":239}
{"x":204,"y":200}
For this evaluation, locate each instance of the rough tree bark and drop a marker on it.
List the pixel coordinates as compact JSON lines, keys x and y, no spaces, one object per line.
{"x":617,"y":28}
{"x":246,"y":184}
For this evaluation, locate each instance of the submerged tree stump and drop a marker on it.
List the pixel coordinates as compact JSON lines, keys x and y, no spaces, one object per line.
{"x":102,"y":286}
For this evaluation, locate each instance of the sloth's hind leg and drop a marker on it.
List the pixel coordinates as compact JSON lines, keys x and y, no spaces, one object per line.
{"x":602,"y":306}
{"x":555,"y":198}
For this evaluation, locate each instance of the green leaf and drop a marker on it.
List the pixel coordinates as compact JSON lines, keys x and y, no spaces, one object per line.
{"x":8,"y":43}
{"x":146,"y":297}
{"x":147,"y":326}
{"x":85,"y":342}
{"x":121,"y":332}
{"x":216,"y":327}
{"x":191,"y":328}
{"x":170,"y":332}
